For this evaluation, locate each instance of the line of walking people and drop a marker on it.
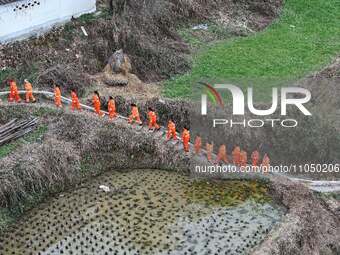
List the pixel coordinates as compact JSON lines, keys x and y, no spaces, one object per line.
{"x":239,"y":157}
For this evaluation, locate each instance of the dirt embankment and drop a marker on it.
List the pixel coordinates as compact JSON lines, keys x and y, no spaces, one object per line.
{"x":325,"y":88}
{"x":145,"y":30}
{"x":79,"y":145}
{"x":312,"y":141}
{"x":310,"y":226}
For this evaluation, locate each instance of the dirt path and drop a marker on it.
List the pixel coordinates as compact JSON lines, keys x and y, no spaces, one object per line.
{"x":317,"y":185}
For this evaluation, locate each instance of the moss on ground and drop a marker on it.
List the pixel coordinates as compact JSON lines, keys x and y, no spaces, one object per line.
{"x":227,"y":193}
{"x":9,"y":216}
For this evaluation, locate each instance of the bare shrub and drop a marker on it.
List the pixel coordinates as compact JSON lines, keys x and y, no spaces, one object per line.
{"x":35,"y":168}
{"x":145,"y":30}
{"x":67,"y":76}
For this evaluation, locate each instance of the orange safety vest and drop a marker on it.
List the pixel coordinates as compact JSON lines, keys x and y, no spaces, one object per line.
{"x":186,"y":135}
{"x":152,"y":116}
{"x":74,"y":97}
{"x":57,"y":92}
{"x":198,"y":142}
{"x":171,"y":126}
{"x":28,"y":87}
{"x":111,"y":106}
{"x":255,"y":156}
{"x":134,"y":111}
{"x":13,"y":87}
{"x":96,"y":100}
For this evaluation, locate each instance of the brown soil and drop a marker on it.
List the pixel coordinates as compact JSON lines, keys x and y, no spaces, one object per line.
{"x":310,"y":226}
{"x":312,"y":141}
{"x":146,"y":31}
{"x":325,"y":89}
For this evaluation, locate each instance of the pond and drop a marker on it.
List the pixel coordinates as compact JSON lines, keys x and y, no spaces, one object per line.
{"x":147,"y":212}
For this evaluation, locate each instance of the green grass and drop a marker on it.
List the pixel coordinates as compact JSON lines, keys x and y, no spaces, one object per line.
{"x":5,"y":218}
{"x":304,"y":38}
{"x":29,"y":138}
{"x":9,"y":216}
{"x":20,"y":73}
{"x":70,"y":28}
{"x":229,"y":193}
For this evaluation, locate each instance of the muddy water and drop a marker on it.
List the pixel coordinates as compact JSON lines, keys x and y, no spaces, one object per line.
{"x":147,"y":212}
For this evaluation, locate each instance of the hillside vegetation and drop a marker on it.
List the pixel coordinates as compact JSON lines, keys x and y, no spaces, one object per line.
{"x":306,"y":36}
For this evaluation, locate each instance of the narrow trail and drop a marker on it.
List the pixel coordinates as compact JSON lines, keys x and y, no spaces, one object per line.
{"x":315,"y":185}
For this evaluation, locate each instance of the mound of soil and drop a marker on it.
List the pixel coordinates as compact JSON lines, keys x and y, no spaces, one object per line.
{"x":325,"y":90}
{"x":145,"y":30}
{"x":310,"y":226}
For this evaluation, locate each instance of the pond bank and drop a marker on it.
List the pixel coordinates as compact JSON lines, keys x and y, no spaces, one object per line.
{"x":147,"y":212}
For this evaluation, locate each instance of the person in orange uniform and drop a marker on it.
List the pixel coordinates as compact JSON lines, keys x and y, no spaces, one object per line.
{"x":255,"y":156}
{"x":75,"y":101}
{"x":265,"y":163}
{"x":243,"y":158}
{"x":222,"y":154}
{"x":96,"y":103}
{"x":209,"y":148}
{"x":198,"y":144}
{"x":57,"y":96}
{"x":171,"y":133}
{"x":236,"y":156}
{"x":14,"y":93}
{"x":134,"y":116}
{"x":186,"y":139}
{"x":153,"y":119}
{"x":29,"y":91}
{"x":112,"y":108}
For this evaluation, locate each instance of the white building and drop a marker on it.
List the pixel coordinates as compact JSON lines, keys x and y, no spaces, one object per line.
{"x":20,"y":19}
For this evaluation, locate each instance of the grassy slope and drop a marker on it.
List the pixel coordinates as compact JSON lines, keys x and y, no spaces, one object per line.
{"x":305,"y":37}
{"x":8,"y":216}
{"x":32,"y":137}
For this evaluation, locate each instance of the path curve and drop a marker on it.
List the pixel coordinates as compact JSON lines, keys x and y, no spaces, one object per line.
{"x":315,"y":185}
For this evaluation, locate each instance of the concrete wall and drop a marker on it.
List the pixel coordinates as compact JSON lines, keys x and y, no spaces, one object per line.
{"x":24,"y":18}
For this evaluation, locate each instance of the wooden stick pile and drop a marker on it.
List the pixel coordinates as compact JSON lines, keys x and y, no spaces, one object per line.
{"x":16,"y":129}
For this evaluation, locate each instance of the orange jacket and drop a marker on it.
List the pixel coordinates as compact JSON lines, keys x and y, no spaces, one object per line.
{"x":186,"y":135}
{"x":134,"y":111}
{"x":152,"y":116}
{"x":57,"y":92}
{"x":96,"y":100}
{"x":266,"y":160}
{"x":171,"y":126}
{"x":210,"y":148}
{"x":243,"y":158}
{"x":28,"y":87}
{"x":222,"y":151}
{"x":13,"y":87}
{"x":111,"y":106}
{"x":198,"y":142}
{"x":255,"y":156}
{"x":74,"y":97}
{"x":236,"y":155}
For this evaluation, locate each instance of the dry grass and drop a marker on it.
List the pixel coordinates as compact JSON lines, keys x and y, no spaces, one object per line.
{"x":36,"y":168}
{"x":76,"y":146}
{"x":145,"y":30}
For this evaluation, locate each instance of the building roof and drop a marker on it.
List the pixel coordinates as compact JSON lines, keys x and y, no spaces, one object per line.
{"x":3,"y":2}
